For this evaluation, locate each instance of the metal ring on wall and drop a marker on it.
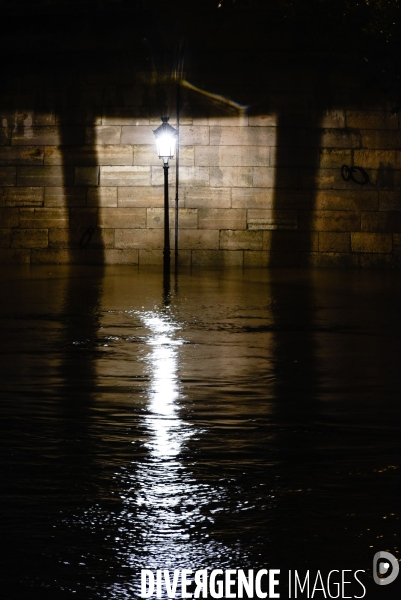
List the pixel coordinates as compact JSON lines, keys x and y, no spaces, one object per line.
{"x":348,"y":173}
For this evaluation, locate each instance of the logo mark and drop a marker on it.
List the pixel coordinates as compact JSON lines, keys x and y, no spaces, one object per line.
{"x":385,"y":568}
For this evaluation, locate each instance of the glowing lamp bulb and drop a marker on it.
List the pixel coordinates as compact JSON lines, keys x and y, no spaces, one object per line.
{"x":166,"y":137}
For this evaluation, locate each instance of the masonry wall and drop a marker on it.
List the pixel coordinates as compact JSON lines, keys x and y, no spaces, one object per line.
{"x":260,"y":179}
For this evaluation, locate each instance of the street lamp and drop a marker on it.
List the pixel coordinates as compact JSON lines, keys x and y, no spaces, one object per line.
{"x":166,"y":137}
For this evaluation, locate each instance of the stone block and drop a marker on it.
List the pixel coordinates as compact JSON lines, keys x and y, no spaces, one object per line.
{"x":206,"y":197}
{"x":14,"y":256}
{"x":8,"y":175}
{"x":26,"y":118}
{"x":294,"y":157}
{"x":103,"y":134}
{"x":375,"y":159}
{"x":229,"y":120}
{"x":291,"y":199}
{"x":271,"y":219}
{"x":218,"y":258}
{"x":262,"y":120}
{"x":146,"y":154}
{"x":125,"y":176}
{"x":334,"y":242}
{"x":141,"y":196}
{"x":82,"y":218}
{"x":241,"y":240}
{"x":122,"y":218}
{"x":189,"y":239}
{"x":334,"y":158}
{"x":271,"y":259}
{"x":48,"y":136}
{"x":358,"y":199}
{"x":151,"y":257}
{"x":149,"y":239}
{"x":45,"y":176}
{"x":383,"y":221}
{"x":194,"y":135}
{"x":189,"y":176}
{"x":43,"y":218}
{"x":389,"y":201}
{"x":29,"y":238}
{"x":138,"y":134}
{"x":155,"y":257}
{"x":222,"y":218}
{"x":325,"y":260}
{"x":270,"y":177}
{"x":323,"y":179}
{"x":242,"y":136}
{"x":64,"y":196}
{"x":231,"y":156}
{"x":329,"y":118}
{"x":21,"y":155}
{"x":362,"y":119}
{"x":231,"y":176}
{"x":5,"y":238}
{"x":269,"y":198}
{"x":187,"y":218}
{"x":89,"y":155}
{"x":24,"y":196}
{"x":197,"y":117}
{"x":371,"y":242}
{"x":102,"y":196}
{"x":290,"y":241}
{"x":9,"y":217}
{"x":86,"y":176}
{"x":378,"y":261}
{"x":385,"y":178}
{"x":254,"y":258}
{"x":157,"y":177}
{"x":70,"y":238}
{"x":291,"y":139}
{"x":329,"y":220}
{"x":186,"y":157}
{"x":380,"y":140}
{"x":55,"y":256}
{"x":336,"y":138}
{"x":115,"y":256}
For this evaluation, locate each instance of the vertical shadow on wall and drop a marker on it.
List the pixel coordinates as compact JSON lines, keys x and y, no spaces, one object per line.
{"x":292,"y":238}
{"x":80,"y":246}
{"x":78,"y":111}
{"x":78,"y":381}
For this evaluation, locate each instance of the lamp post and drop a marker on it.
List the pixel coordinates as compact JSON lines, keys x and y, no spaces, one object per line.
{"x":166,"y":137}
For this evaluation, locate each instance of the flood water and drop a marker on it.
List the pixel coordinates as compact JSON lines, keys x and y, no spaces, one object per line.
{"x":239,"y":419}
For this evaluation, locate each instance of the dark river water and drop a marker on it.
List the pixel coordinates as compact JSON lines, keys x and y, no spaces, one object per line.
{"x":231,"y":420}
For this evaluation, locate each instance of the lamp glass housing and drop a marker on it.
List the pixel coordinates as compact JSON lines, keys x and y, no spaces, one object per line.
{"x":166,"y":137}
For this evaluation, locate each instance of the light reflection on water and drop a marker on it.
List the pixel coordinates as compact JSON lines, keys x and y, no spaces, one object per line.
{"x":235,"y":425}
{"x":164,"y":504}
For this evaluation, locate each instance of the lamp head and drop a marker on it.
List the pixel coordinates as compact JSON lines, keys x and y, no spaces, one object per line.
{"x":166,"y":137}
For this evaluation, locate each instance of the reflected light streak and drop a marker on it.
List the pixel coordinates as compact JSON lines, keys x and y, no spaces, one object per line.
{"x":163,"y":421}
{"x":166,"y":514}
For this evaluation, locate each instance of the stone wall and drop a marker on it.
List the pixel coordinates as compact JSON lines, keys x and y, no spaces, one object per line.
{"x":260,"y":156}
